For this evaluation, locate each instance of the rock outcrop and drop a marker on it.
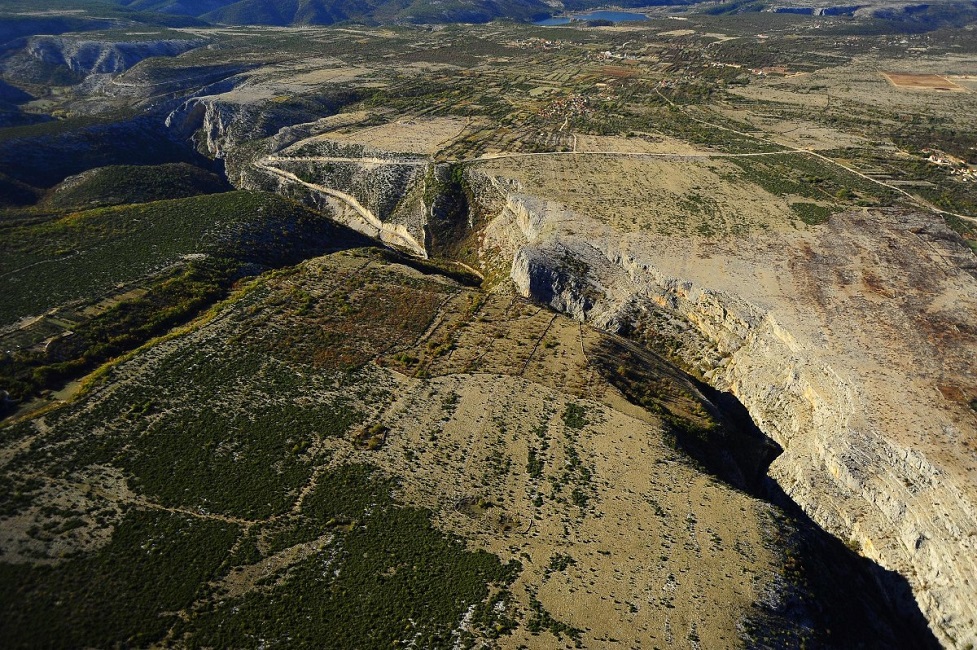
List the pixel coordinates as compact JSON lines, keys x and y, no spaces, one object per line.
{"x":851,"y":344}
{"x":214,"y":124}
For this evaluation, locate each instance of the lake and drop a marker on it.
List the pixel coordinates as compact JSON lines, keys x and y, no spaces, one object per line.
{"x":613,"y":16}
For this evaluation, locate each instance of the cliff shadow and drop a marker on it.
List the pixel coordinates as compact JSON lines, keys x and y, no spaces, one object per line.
{"x":846,"y":600}
{"x":711,"y":427}
{"x":827,"y":596}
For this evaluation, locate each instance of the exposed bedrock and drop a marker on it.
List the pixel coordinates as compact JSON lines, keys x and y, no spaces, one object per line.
{"x":852,"y":346}
{"x":215,"y":124}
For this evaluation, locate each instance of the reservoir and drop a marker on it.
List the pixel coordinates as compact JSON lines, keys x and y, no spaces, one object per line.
{"x":613,"y":16}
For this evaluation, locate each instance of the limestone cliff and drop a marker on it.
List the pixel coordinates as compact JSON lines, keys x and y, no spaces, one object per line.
{"x":851,"y":344}
{"x":875,"y":448}
{"x":214,"y":124}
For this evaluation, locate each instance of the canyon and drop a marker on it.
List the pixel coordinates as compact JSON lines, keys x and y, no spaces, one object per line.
{"x":490,"y":335}
{"x":851,"y":344}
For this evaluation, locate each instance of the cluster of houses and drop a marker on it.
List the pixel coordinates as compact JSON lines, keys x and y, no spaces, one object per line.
{"x":566,"y":106}
{"x":958,"y":167}
{"x":537,"y":44}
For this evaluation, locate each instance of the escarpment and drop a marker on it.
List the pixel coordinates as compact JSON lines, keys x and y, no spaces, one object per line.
{"x":213,"y":124}
{"x":835,"y":355}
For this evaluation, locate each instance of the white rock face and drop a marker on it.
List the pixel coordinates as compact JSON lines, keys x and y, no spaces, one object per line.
{"x":212,"y":119}
{"x":851,"y":345}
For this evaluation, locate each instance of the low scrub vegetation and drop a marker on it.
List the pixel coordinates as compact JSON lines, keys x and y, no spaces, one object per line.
{"x":126,"y":184}
{"x":129,"y":272}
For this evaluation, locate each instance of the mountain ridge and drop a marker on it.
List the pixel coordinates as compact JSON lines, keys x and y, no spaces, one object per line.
{"x":327,"y":12}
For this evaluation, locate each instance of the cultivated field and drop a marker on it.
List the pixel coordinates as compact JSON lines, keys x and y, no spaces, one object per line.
{"x":921,"y":81}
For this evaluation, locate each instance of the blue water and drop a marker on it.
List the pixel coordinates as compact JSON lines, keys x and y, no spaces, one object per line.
{"x":613,"y":16}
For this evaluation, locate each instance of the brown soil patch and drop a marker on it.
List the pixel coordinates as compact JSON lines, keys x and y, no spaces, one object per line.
{"x":924,"y":81}
{"x":618,"y":72}
{"x":951,"y":393}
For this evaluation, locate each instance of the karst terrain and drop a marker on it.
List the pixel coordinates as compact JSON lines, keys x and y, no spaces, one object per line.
{"x":438,"y":328}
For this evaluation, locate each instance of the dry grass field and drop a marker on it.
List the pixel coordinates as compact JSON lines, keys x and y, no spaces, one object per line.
{"x":418,"y":135}
{"x":668,"y":195}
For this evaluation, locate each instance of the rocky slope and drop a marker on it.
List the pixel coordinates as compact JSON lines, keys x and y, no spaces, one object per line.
{"x":40,"y":56}
{"x":500,"y":420}
{"x":802,"y":328}
{"x":851,"y":346}
{"x":389,"y":195}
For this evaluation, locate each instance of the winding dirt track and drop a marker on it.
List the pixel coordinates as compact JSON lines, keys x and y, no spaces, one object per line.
{"x":396,"y":235}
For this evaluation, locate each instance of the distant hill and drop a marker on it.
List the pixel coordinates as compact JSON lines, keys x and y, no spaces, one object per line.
{"x":878,"y":16}
{"x":122,"y":184}
{"x":177,"y":7}
{"x":327,"y":12}
{"x":19,"y":17}
{"x":925,"y":17}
